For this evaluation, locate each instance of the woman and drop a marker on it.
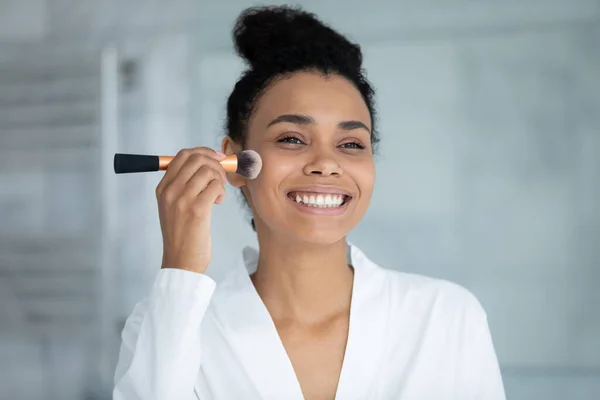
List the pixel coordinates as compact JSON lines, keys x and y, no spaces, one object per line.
{"x":309,"y":316}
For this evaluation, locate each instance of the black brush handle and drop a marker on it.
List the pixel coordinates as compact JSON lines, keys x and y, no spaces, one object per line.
{"x":130,"y":163}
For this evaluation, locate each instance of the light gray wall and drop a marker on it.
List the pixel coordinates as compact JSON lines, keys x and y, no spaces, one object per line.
{"x":488,"y":172}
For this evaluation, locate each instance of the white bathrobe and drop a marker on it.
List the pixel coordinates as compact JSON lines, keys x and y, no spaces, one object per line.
{"x":410,"y":338}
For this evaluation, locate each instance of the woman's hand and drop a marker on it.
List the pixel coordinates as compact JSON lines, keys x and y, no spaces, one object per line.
{"x":193,"y":182}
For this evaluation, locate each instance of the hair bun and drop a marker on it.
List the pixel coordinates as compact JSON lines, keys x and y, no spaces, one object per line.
{"x":286,"y":38}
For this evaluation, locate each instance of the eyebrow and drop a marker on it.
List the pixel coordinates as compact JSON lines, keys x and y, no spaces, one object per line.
{"x":306,"y":120}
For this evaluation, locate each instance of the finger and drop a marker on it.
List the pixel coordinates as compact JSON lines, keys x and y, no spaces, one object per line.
{"x":213,"y":191}
{"x":197,"y":164}
{"x":197,"y":158}
{"x":180,"y":160}
{"x":171,"y":173}
{"x":199,"y":182}
{"x":217,"y":155}
{"x":214,"y":164}
{"x":208,"y":152}
{"x":193,"y":164}
{"x":204,"y":201}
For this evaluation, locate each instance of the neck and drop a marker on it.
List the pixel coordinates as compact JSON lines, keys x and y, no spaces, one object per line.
{"x":305,"y":283}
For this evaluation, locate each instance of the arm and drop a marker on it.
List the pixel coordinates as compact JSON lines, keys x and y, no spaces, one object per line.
{"x":160,"y":353}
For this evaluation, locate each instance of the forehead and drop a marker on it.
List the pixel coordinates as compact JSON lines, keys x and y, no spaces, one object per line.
{"x":330,"y":98}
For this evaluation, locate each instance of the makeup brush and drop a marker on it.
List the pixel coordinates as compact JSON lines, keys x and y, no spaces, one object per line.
{"x":246,"y":163}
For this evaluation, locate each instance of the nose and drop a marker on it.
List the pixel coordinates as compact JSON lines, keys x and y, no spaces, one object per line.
{"x":324,"y":165}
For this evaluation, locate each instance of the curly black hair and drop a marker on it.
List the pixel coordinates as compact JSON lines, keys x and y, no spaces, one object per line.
{"x":276,"y":41}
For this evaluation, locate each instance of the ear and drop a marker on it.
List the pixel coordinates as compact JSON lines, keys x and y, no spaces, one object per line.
{"x":228,"y":146}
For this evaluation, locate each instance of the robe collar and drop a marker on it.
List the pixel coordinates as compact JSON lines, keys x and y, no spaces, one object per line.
{"x":253,"y":336}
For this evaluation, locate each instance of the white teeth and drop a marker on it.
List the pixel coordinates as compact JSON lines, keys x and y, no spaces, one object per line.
{"x":320,"y":201}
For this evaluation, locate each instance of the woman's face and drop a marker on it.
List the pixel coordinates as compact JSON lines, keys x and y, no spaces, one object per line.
{"x":313,"y":134}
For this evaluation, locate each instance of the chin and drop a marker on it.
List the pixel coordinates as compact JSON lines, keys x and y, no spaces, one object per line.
{"x":316,"y":234}
{"x":296,"y":223}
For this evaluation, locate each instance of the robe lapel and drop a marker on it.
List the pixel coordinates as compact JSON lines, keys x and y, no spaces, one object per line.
{"x":252,"y":334}
{"x":367,"y":331}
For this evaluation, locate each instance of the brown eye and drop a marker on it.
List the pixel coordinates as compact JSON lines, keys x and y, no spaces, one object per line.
{"x":290,"y":140}
{"x":353,"y":145}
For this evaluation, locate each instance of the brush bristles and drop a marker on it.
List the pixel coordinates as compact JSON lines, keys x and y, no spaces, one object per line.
{"x":249,"y":164}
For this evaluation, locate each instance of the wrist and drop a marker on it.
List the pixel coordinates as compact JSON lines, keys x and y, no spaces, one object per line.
{"x":187,"y":265}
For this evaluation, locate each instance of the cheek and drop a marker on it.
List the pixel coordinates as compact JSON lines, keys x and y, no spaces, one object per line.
{"x":365,"y":179}
{"x":274,"y":171}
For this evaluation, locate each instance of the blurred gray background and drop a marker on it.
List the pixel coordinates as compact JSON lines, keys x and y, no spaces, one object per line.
{"x":489,"y":171}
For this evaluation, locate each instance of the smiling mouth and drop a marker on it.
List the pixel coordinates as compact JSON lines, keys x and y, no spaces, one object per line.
{"x":319,"y":200}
